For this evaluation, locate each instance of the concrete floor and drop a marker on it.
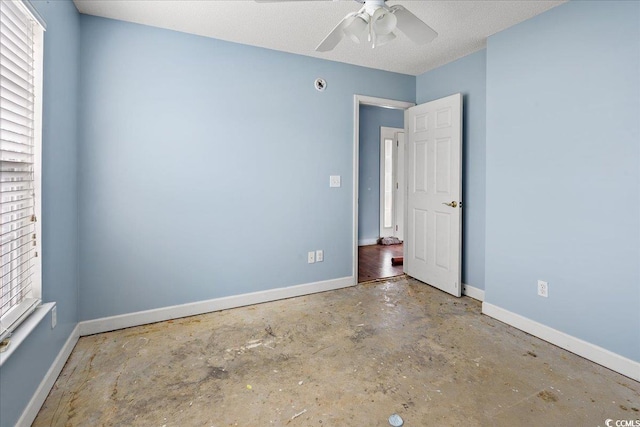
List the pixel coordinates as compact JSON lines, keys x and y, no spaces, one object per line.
{"x":350,"y":357}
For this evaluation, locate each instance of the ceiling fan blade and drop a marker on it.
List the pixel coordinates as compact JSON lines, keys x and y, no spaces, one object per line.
{"x":286,"y":1}
{"x":335,"y":35}
{"x":412,"y":26}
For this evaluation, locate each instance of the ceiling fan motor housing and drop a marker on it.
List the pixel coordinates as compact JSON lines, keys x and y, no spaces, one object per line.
{"x":371,"y":6}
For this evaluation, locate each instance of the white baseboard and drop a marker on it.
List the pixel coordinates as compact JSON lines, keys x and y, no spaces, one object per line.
{"x":37,"y":400}
{"x":367,"y":242}
{"x":473,"y":292}
{"x":112,"y":323}
{"x":599,"y":355}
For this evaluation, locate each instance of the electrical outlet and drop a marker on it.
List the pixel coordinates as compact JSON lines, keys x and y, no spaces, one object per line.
{"x":319,"y":255}
{"x":311,"y":257}
{"x":543,"y":288}
{"x":54,"y":316}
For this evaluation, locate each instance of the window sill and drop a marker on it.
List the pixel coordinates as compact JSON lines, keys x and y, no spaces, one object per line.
{"x":25,"y":328}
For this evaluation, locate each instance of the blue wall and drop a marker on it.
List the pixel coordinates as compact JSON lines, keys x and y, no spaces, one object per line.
{"x":563,"y":176}
{"x":21,"y":374}
{"x":198,"y":154}
{"x":206,"y":155}
{"x":371,"y":118}
{"x":468,"y":77}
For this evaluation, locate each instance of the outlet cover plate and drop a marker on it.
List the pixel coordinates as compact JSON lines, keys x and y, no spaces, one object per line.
{"x":543,"y":288}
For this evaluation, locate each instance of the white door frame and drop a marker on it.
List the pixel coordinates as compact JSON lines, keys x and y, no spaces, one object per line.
{"x":359,"y":100}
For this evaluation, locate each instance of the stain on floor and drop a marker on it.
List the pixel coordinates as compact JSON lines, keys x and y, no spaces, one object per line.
{"x":350,"y":357}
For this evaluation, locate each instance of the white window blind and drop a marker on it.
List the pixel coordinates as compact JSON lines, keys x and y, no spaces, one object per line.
{"x":20,"y":92}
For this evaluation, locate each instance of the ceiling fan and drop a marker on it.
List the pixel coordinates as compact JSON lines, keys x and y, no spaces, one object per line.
{"x":376,"y":22}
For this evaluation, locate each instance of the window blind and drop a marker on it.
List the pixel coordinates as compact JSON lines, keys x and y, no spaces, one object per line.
{"x":19,"y":265}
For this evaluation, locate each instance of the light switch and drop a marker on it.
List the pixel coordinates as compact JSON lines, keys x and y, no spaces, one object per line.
{"x":334,"y":181}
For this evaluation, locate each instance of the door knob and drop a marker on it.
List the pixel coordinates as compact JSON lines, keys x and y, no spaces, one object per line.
{"x":452,"y":204}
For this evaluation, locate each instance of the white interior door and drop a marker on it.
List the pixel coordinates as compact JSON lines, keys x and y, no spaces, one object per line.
{"x":434,"y":162}
{"x":399,"y":190}
{"x":388,"y":161}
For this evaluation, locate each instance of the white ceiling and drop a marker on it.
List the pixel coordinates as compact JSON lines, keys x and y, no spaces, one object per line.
{"x":298,"y":26}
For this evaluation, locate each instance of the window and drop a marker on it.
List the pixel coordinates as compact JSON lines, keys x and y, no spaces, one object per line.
{"x":21,"y":36}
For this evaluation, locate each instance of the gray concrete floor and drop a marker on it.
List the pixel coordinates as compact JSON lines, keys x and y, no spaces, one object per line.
{"x":350,"y":357}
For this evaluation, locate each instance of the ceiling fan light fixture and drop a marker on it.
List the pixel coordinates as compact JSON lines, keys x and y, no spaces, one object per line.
{"x":384,"y":22}
{"x":356,"y":29}
{"x":383,"y":39}
{"x":379,"y":22}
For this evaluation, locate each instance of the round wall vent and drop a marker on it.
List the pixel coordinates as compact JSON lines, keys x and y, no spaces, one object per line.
{"x":320,"y":84}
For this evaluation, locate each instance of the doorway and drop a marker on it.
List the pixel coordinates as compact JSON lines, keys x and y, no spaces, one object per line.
{"x":377,"y":126}
{"x":433,"y":190}
{"x":381,"y":257}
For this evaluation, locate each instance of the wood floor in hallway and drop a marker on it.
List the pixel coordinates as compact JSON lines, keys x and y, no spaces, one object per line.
{"x":374,"y":262}
{"x":350,"y":357}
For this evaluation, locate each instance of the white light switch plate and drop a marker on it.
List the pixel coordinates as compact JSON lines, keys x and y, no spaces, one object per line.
{"x":334,"y":181}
